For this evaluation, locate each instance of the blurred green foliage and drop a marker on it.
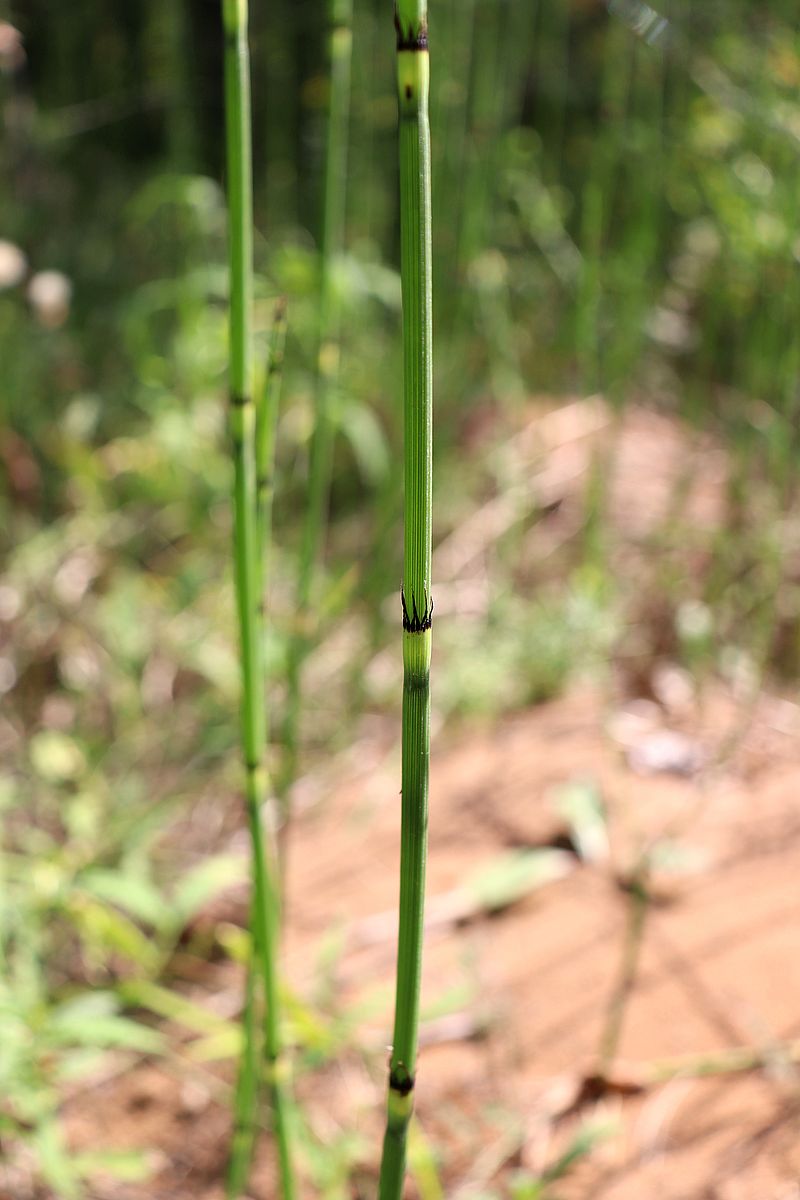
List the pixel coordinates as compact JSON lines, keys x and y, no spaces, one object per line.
{"x":609,"y":215}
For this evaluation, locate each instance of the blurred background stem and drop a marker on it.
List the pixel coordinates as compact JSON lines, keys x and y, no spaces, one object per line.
{"x":327,"y":375}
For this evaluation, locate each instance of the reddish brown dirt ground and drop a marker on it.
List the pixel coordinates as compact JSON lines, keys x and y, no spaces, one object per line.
{"x":515,"y":1003}
{"x":529,"y":988}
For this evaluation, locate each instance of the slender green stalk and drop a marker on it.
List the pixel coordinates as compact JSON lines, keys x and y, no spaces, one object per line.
{"x":247,"y":567}
{"x":415,"y":252}
{"x":474,"y":187}
{"x":599,"y":192}
{"x":333,"y":223}
{"x":245,"y":1105}
{"x":266,"y":426}
{"x":245,"y":1102}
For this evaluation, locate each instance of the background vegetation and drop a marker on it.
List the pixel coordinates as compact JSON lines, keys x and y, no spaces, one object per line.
{"x":614,"y":212}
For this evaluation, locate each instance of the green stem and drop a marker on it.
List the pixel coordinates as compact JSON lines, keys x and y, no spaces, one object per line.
{"x":597,"y":203}
{"x":415,"y":249}
{"x":247,"y":566}
{"x":329,"y":316}
{"x":245,"y":1105}
{"x":266,"y":426}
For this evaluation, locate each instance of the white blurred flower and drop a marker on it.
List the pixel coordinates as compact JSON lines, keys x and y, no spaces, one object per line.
{"x":49,"y":293}
{"x":10,"y":602}
{"x":12,"y":52}
{"x":13,"y":264}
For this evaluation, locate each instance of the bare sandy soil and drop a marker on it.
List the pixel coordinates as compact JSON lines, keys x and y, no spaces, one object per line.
{"x":516,"y":1001}
{"x":501,"y":1068}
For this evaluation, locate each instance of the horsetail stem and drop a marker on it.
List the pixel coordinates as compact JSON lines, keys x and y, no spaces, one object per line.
{"x":327,"y":370}
{"x":246,"y":547}
{"x":245,"y":1104}
{"x":417,"y":602}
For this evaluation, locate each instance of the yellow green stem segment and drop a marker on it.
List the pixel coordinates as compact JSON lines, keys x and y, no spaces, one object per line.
{"x":248,"y":577}
{"x":417,"y":601}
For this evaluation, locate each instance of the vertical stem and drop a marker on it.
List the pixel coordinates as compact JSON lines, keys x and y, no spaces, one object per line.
{"x":552,"y":69}
{"x":415,"y":250}
{"x":246,"y":1093}
{"x":333,"y":223}
{"x":638,"y":905}
{"x":172,"y":27}
{"x":247,"y":568}
{"x":266,"y":426}
{"x":598,"y":203}
{"x":245,"y":1102}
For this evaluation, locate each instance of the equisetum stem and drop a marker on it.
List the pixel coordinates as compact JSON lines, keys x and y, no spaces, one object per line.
{"x":327,"y":371}
{"x":415,"y":250}
{"x":246,"y":560}
{"x":245,"y":1105}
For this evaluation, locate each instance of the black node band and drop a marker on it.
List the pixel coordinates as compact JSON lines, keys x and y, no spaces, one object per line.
{"x":415,"y":621}
{"x":401,"y":1081}
{"x":411,"y":39}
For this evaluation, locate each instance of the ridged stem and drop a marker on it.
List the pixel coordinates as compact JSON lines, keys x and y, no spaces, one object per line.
{"x":327,"y":372}
{"x":246,"y":557}
{"x":415,"y":250}
{"x":245,"y":1104}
